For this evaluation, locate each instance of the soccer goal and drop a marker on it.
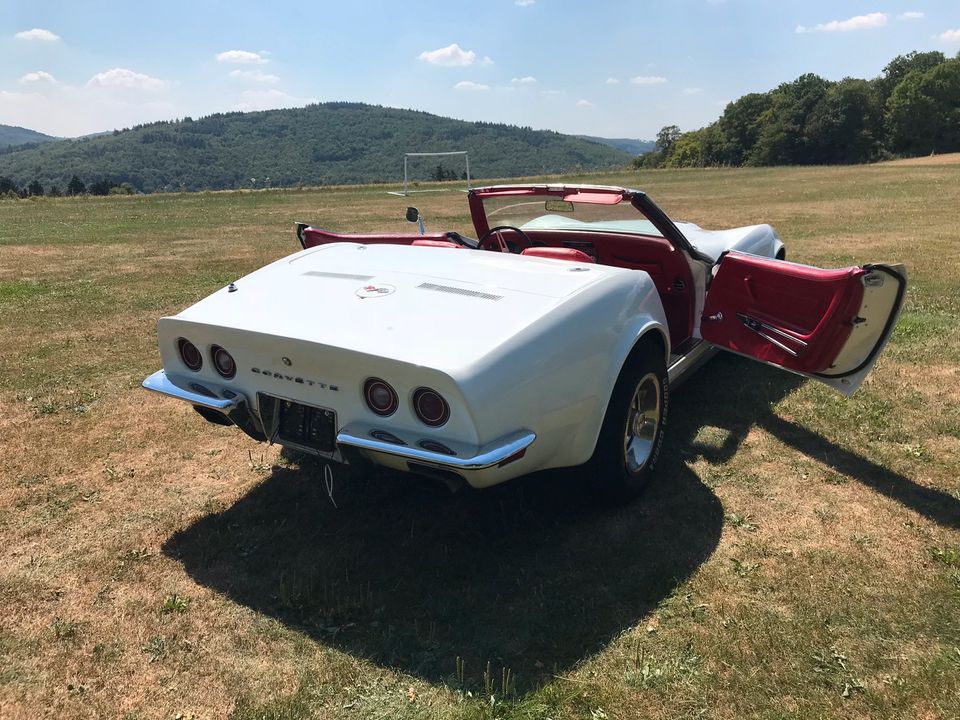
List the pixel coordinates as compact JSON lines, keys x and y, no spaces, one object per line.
{"x":418,"y":168}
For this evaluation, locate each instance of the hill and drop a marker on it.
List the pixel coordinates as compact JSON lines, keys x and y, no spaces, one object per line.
{"x":630,"y":145}
{"x":330,"y":143}
{"x":11,"y":135}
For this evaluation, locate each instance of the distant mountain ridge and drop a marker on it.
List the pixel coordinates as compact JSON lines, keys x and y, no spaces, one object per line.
{"x":630,"y":145}
{"x":329,"y":143}
{"x":11,"y":135}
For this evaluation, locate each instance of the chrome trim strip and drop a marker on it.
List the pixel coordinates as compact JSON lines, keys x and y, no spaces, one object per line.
{"x":491,"y":454}
{"x":680,"y":369}
{"x":160,"y":383}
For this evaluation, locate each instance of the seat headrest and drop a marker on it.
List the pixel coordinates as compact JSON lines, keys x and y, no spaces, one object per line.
{"x":558,"y":253}
{"x":436,"y":243}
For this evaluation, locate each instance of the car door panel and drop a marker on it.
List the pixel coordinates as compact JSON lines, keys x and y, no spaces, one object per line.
{"x":825,"y":324}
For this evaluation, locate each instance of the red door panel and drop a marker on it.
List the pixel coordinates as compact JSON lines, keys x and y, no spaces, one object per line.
{"x":795,"y":316}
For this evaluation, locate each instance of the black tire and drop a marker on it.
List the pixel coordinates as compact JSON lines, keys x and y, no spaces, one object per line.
{"x":622,"y":467}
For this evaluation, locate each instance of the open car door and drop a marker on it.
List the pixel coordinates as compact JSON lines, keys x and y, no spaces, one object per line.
{"x":829,"y":325}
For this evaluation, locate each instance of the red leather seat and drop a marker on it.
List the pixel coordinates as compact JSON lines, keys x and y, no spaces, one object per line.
{"x":558,"y":253}
{"x":436,"y":243}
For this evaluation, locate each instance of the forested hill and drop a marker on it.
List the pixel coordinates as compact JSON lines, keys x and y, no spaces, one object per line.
{"x":330,"y":143}
{"x":912,"y":108}
{"x":12,"y":135}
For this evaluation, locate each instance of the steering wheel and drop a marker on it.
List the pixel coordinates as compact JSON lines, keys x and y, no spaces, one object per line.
{"x":493,"y":240}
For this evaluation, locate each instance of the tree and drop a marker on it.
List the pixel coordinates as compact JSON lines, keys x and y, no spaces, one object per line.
{"x":101,"y":187}
{"x":35,"y":188}
{"x":739,"y":128}
{"x":846,"y":125}
{"x":666,"y":138}
{"x":923,"y":112}
{"x":781,"y":140}
{"x":687,"y":150}
{"x":76,"y":186}
{"x":901,"y":66}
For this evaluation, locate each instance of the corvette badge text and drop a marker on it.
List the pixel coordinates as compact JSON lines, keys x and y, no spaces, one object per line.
{"x":296,"y":379}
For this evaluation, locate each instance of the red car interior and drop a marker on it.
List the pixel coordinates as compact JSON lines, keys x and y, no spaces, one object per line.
{"x":315,"y":236}
{"x":667,"y":267}
{"x":558,"y":253}
{"x":437,"y":243}
{"x":811,"y":311}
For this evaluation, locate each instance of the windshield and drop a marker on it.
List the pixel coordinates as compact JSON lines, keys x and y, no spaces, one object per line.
{"x":550,"y":212}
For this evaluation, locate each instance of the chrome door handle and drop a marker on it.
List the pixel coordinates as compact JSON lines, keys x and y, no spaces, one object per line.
{"x":765,"y":331}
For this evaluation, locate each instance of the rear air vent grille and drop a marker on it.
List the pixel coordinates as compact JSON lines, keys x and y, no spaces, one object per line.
{"x":460,"y":291}
{"x":339,"y":276}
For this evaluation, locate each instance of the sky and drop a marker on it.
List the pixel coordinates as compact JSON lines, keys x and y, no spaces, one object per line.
{"x":613,"y":69}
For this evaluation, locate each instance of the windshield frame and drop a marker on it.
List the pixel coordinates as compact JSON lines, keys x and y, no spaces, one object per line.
{"x":597,"y":194}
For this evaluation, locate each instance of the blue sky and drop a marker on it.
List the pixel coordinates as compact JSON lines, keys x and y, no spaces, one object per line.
{"x":617,"y":69}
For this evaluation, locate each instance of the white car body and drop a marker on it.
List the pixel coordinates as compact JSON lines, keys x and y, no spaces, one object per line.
{"x":525,"y":350}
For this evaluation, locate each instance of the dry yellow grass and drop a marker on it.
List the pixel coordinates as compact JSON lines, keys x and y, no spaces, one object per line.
{"x":797,"y":557}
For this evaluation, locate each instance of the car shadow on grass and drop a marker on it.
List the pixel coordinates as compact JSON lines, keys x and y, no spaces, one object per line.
{"x":530,"y":575}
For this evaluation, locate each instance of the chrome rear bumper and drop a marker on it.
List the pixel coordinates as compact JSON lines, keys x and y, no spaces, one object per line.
{"x":496,"y":453}
{"x":160,"y":383}
{"x":469,"y":461}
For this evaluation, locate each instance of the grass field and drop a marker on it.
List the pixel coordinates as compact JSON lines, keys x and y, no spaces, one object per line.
{"x":798,"y":556}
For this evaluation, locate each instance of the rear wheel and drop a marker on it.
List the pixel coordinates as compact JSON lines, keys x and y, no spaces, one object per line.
{"x":632,"y":433}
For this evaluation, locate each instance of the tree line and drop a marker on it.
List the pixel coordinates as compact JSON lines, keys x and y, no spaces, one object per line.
{"x":10,"y":190}
{"x":912,"y":108}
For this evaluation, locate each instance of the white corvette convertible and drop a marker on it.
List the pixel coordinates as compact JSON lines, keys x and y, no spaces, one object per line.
{"x":552,"y":341}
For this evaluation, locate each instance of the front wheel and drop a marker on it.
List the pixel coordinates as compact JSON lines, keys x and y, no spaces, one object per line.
{"x":632,"y":433}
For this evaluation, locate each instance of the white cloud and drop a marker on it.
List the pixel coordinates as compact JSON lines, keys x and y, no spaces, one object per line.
{"x":242,"y":57}
{"x":858,"y":22}
{"x":470,"y":85}
{"x":692,"y":91}
{"x":584,"y":104}
{"x":254,"y":76}
{"x":123,"y":78}
{"x":613,"y":81}
{"x":950,"y":36}
{"x":911,"y":15}
{"x":449,"y":56}
{"x":524,"y":3}
{"x":487,"y":61}
{"x":37,"y":34}
{"x":648,"y":80}
{"x":38,"y":76}
{"x":69,"y":111}
{"x":528,"y":80}
{"x":269,"y":100}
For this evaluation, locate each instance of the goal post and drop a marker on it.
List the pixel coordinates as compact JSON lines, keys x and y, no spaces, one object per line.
{"x":406,"y":168}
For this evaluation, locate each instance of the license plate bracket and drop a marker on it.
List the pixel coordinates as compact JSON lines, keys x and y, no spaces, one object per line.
{"x":306,"y":426}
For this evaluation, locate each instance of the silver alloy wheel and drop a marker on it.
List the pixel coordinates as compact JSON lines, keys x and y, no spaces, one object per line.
{"x":643,"y":420}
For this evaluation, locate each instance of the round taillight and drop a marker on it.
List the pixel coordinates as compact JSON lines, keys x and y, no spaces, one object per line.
{"x":223,"y":362}
{"x":430,"y":407}
{"x":189,"y":354}
{"x":381,"y":398}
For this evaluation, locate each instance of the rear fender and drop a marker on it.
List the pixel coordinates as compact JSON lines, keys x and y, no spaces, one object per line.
{"x":646,"y":327}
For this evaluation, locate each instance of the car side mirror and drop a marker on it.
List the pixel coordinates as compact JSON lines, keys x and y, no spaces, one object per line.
{"x":413,"y":215}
